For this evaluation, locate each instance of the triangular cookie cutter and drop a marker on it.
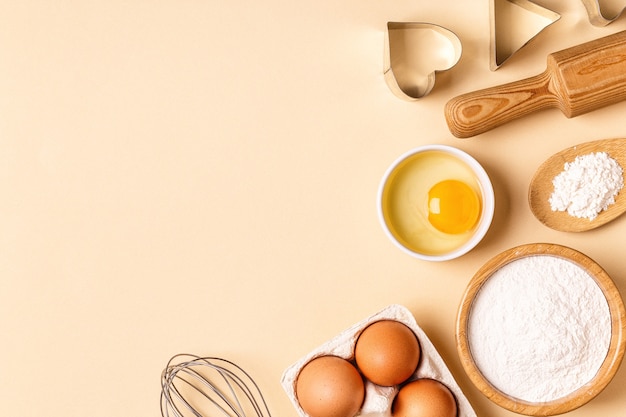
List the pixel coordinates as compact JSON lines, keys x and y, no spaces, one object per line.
{"x":414,"y":53}
{"x":514,"y":23}
{"x":596,"y":17}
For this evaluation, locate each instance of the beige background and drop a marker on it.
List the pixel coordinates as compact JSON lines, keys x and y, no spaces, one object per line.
{"x":200,"y":176}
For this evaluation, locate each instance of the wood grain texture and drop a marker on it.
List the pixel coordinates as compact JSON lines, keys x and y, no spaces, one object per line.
{"x":577,"y":80}
{"x":541,"y":187}
{"x":608,"y":368}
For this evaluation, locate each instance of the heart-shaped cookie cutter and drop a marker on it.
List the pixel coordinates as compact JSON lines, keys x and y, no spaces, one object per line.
{"x":414,"y":53}
{"x":596,"y":17}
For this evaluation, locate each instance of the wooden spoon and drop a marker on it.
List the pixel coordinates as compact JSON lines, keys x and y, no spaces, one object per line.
{"x":541,"y":187}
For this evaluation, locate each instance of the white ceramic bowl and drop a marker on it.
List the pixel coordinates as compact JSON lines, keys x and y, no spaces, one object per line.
{"x":401,"y":192}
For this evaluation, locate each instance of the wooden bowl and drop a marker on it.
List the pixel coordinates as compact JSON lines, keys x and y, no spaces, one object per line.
{"x":609,"y":366}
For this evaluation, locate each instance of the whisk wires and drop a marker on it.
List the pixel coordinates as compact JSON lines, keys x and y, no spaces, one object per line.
{"x":209,"y":387}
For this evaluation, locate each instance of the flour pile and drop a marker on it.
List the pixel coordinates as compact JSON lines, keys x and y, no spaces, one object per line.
{"x":539,"y":328}
{"x":587,"y":186}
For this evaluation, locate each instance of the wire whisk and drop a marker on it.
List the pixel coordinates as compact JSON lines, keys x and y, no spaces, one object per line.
{"x":209,"y":387}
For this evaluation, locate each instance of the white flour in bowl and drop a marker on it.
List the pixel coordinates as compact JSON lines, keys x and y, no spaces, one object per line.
{"x":587,"y":186}
{"x":539,"y":328}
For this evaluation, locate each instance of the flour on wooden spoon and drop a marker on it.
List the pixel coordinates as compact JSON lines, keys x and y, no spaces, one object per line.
{"x":587,"y":186}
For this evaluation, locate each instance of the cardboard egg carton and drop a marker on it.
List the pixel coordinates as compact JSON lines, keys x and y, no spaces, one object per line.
{"x":378,"y":399}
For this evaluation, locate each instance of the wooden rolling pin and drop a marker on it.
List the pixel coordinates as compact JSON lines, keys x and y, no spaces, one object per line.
{"x":577,"y":80}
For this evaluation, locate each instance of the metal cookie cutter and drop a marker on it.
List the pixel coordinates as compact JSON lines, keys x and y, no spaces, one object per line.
{"x":414,"y":53}
{"x":596,"y":17}
{"x":514,"y":23}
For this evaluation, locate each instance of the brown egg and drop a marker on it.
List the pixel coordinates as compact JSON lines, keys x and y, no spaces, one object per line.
{"x":329,"y":386}
{"x":424,"y":398}
{"x":387,"y":352}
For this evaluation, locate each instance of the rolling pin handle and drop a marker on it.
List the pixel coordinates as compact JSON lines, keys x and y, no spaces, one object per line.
{"x":477,"y":112}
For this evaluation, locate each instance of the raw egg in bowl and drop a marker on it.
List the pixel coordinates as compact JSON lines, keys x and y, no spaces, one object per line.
{"x":436,"y":202}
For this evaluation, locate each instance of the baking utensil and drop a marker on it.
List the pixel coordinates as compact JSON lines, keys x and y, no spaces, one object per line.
{"x":541,"y":187}
{"x":514,"y":23}
{"x":207,"y":387}
{"x":577,"y":80}
{"x":596,"y":17}
{"x":605,"y":373}
{"x":414,"y":53}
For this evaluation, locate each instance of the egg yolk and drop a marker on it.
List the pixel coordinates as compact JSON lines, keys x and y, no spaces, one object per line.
{"x":453,"y":207}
